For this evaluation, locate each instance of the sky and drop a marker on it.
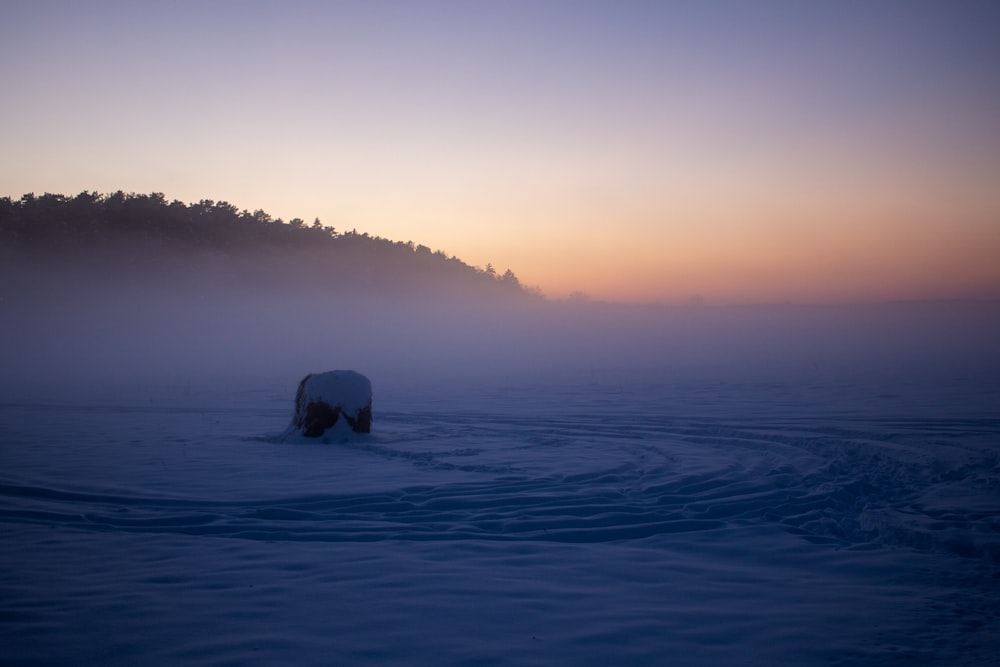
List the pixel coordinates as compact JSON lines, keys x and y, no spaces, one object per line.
{"x":726,"y":152}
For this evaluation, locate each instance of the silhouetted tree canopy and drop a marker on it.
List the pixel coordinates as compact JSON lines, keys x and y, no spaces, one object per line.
{"x":139,"y":231}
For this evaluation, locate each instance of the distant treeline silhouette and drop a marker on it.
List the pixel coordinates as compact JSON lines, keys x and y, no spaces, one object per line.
{"x":140,"y":231}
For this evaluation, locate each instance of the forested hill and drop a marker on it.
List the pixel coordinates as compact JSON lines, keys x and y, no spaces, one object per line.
{"x":138,"y":236}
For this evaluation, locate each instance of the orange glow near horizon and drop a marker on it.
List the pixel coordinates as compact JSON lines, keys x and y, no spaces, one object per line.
{"x":646,"y":154}
{"x":822,"y":273}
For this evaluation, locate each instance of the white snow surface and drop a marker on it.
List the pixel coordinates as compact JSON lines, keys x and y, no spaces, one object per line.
{"x":576,"y":523}
{"x":349,"y":390}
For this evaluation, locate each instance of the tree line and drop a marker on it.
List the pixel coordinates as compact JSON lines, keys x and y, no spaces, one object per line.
{"x":99,"y":226}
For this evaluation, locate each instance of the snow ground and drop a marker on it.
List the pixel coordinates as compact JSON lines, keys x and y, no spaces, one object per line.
{"x":579,"y":523}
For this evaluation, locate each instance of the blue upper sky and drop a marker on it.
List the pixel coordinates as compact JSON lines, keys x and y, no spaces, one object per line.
{"x":638,"y":150}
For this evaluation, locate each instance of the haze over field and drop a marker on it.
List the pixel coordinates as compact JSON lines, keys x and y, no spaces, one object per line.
{"x":132,"y":289}
{"x":680,"y":318}
{"x":545,"y":482}
{"x":632,"y":151}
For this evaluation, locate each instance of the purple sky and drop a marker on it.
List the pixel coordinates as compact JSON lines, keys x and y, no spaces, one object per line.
{"x":767,"y":151}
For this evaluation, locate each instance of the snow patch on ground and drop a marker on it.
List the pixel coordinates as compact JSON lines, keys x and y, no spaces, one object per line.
{"x":581,"y":525}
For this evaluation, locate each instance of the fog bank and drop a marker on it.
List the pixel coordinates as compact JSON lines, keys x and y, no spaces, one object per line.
{"x":203,"y":330}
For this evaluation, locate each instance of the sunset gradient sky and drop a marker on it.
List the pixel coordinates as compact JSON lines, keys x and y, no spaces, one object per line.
{"x":640,"y":151}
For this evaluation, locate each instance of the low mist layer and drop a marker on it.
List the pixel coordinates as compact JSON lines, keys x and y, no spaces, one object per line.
{"x":139,"y":310}
{"x":87,"y":335}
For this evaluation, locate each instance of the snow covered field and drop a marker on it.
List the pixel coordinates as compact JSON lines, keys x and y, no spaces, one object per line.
{"x":596,"y":521}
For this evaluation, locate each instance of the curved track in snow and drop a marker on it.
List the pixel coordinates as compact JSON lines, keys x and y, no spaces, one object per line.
{"x":921,"y":484}
{"x":584,"y":532}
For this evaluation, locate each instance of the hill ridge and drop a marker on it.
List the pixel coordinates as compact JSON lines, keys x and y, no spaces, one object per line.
{"x":134,"y":232}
